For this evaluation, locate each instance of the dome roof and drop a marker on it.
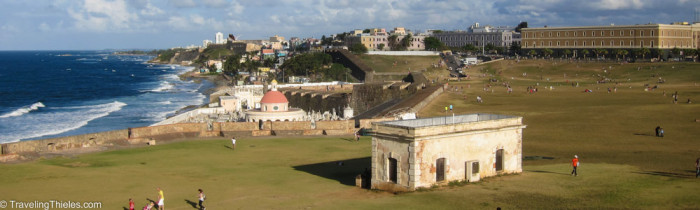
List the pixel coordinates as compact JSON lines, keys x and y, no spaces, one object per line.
{"x":273,"y":96}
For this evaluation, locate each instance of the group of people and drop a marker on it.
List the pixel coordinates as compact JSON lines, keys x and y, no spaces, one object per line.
{"x":659,"y":131}
{"x":161,"y":201}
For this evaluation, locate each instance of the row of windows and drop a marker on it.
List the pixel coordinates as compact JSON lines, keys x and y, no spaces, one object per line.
{"x":384,"y":39}
{"x":468,"y":38}
{"x":610,"y":33}
{"x":612,"y":43}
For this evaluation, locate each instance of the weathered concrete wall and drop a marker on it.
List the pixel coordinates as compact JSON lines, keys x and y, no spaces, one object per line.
{"x":63,"y":143}
{"x":183,"y":130}
{"x":458,"y":143}
{"x":367,"y":123}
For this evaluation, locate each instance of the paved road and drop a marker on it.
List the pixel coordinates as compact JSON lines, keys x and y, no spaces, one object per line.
{"x":452,"y":63}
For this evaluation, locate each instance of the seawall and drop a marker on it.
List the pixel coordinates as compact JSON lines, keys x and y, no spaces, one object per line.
{"x":143,"y":135}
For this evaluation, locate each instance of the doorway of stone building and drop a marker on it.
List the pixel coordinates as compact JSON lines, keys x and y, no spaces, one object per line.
{"x":440,"y":170}
{"x":499,"y":160}
{"x":393,"y":170}
{"x":471,"y":171}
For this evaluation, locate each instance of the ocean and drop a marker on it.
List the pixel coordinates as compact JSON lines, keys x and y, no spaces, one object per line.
{"x":46,"y":94}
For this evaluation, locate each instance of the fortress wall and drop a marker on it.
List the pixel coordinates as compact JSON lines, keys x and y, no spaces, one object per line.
{"x":288,"y":125}
{"x":335,"y":125}
{"x":68,"y":142}
{"x":183,"y":130}
{"x":239,"y":126}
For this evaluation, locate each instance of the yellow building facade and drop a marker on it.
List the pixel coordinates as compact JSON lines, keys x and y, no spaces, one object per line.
{"x":652,"y":36}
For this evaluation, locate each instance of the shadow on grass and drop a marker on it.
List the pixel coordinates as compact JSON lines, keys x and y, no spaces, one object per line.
{"x":229,"y":147}
{"x":191,"y":203}
{"x":667,"y":174}
{"x":643,"y":134}
{"x":344,"y":171}
{"x":547,"y":172}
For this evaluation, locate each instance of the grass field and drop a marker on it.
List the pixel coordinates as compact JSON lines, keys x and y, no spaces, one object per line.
{"x":387,"y":63}
{"x":623,"y":165}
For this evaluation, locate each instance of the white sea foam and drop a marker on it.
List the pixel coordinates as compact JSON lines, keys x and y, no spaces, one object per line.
{"x":164,"y":86}
{"x":59,"y":120}
{"x":23,"y":110}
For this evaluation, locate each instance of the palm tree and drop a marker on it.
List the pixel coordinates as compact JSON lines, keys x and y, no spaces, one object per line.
{"x":532,"y":53}
{"x":547,"y":52}
{"x":584,"y":53}
{"x":393,"y":41}
{"x":643,"y":52}
{"x":567,"y":52}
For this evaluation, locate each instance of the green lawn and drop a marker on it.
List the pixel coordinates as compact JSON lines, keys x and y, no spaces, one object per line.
{"x":300,"y":173}
{"x":622,"y":164}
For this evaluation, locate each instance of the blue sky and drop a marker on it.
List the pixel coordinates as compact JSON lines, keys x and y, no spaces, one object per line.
{"x":148,"y":24}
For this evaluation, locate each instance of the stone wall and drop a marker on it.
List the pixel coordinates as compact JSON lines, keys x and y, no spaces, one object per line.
{"x":63,"y":143}
{"x":184,"y":130}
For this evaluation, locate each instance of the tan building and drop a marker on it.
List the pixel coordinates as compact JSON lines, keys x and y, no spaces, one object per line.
{"x":420,"y":153}
{"x":652,"y":36}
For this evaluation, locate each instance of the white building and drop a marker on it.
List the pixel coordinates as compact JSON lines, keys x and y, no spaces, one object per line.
{"x":206,"y":43}
{"x":220,"y":38}
{"x":420,"y":153}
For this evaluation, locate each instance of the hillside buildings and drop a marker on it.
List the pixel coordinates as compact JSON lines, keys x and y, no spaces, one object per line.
{"x":420,"y":153}
{"x":480,"y":36}
{"x":651,"y":36}
{"x":379,"y":39}
{"x":219,"y":38}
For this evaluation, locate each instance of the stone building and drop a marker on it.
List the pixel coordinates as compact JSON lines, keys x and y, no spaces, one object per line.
{"x":652,"y":36}
{"x":411,"y":154}
{"x":274,"y":106}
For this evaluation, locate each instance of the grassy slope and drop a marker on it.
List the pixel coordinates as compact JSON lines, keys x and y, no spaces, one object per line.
{"x":385,"y":63}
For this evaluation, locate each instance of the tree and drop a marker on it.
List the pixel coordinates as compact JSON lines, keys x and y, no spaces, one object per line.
{"x":406,"y":41}
{"x":515,"y":48}
{"x":567,"y":52}
{"x":336,"y":72}
{"x":381,"y":46}
{"x":623,"y":53}
{"x":358,"y":48}
{"x":231,"y":65}
{"x":393,"y":41}
{"x":675,"y":52}
{"x":584,"y":53}
{"x":547,"y":52}
{"x":691,"y":52}
{"x":597,"y":52}
{"x":469,"y":48}
{"x":643,"y":52}
{"x":326,"y":41}
{"x":366,"y":31}
{"x":532,"y":53}
{"x":433,"y":43}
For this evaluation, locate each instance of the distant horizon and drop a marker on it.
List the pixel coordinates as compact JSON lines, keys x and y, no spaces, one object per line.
{"x":164,"y":24}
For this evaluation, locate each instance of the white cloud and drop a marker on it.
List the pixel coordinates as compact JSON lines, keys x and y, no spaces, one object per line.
{"x":150,"y":10}
{"x":183,"y":3}
{"x":103,"y":15}
{"x":214,"y":3}
{"x":617,"y":4}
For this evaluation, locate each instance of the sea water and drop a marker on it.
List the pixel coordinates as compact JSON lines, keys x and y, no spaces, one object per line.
{"x":45,"y":94}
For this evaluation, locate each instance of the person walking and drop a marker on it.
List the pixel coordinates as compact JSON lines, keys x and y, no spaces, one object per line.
{"x":574,"y":163}
{"x":132,"y":205}
{"x":658,"y":129}
{"x":697,"y":168}
{"x":201,"y":197}
{"x":357,"y":135}
{"x":161,"y":199}
{"x":233,"y":141}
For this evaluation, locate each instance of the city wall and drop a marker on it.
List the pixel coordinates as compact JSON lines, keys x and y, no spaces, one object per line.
{"x":144,"y":135}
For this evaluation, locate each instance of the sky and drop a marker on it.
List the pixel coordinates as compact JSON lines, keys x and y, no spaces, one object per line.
{"x":160,"y":24}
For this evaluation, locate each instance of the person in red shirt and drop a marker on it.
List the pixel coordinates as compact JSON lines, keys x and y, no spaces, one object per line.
{"x":131,"y":204}
{"x":574,"y":163}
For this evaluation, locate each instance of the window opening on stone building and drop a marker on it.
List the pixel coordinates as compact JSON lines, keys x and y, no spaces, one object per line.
{"x":393,"y":170}
{"x":440,"y":169}
{"x":499,"y":160}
